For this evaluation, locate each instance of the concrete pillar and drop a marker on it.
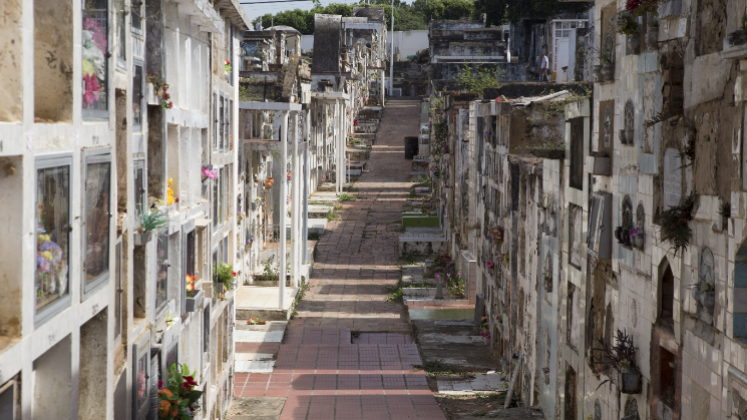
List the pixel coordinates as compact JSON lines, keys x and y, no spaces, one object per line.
{"x":295,"y":204}
{"x":341,"y":143}
{"x":306,"y":175}
{"x":339,"y":172}
{"x":283,"y":206}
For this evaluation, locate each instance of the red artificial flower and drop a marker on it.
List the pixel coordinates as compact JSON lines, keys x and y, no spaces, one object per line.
{"x":160,"y":384}
{"x":233,"y":273}
{"x":171,"y":105}
{"x":189,"y":380}
{"x":165,"y":88}
{"x":166,"y":96}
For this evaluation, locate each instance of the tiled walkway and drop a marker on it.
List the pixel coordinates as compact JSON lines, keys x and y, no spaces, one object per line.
{"x":322,"y":370}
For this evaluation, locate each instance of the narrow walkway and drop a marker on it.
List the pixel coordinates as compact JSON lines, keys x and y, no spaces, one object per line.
{"x":346,"y":355}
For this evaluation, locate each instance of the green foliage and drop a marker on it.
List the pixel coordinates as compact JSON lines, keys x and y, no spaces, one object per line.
{"x":225,"y":275}
{"x":627,"y":23}
{"x":333,"y":215}
{"x":303,"y":20}
{"x":152,"y":219}
{"x":406,"y":17}
{"x":476,"y":79}
{"x":675,"y":224}
{"x":270,"y":270}
{"x":314,"y":236}
{"x":346,"y":197}
{"x":394,"y":293}
{"x":299,"y":297}
{"x":179,"y":398}
{"x":504,"y":11}
{"x":448,"y":9}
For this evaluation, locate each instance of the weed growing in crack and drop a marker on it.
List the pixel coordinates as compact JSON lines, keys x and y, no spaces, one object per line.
{"x":394,"y":293}
{"x":438,"y":368}
{"x":305,"y":286}
{"x":346,"y":197}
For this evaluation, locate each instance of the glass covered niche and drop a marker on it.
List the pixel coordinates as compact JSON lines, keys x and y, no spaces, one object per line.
{"x":52,"y":232}
{"x":97,"y":199}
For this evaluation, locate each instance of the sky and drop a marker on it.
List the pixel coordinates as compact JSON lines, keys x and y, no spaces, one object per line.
{"x":255,"y":10}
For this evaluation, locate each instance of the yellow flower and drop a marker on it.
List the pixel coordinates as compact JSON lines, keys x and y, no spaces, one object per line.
{"x":47,"y":255}
{"x":170,"y":194}
{"x":88,"y":67}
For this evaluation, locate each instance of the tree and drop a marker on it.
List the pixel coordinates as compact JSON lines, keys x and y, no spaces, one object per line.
{"x":448,"y":9}
{"x":296,"y":18}
{"x":406,"y":17}
{"x":303,"y":20}
{"x":500,"y":12}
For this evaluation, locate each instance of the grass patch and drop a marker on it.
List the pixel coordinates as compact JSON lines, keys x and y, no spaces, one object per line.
{"x":333,"y":215}
{"x":394,"y":293}
{"x":492,"y":396}
{"x":346,"y":197}
{"x":299,"y":297}
{"x":422,"y":285}
{"x":409,"y":259}
{"x":438,"y":368}
{"x":412,"y":192}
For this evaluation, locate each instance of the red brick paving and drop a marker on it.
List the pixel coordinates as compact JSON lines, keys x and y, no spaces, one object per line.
{"x":322,"y":375}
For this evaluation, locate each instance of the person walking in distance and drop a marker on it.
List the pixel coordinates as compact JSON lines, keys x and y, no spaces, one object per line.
{"x":544,"y":67}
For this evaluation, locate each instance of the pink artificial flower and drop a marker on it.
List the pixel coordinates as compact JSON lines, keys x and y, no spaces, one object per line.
{"x":91,"y":95}
{"x":97,"y":34}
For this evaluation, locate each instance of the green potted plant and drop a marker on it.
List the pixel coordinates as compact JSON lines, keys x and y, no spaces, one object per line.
{"x":224,"y":277}
{"x":627,"y":23}
{"x":150,"y":220}
{"x":739,"y":37}
{"x":621,"y":357}
{"x":675,"y":224}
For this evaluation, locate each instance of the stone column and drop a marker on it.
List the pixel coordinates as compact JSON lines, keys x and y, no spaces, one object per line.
{"x":306,"y":176}
{"x":339,"y":147}
{"x":283,"y":219}
{"x":295,"y":205}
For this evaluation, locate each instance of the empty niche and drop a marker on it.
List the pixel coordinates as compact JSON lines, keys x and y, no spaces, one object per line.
{"x":53,"y":61}
{"x":11,"y":86}
{"x":11,"y":190}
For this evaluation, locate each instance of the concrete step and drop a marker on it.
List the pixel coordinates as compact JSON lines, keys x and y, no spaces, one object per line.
{"x":423,"y":241}
{"x":263,"y":302}
{"x":318,"y":211}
